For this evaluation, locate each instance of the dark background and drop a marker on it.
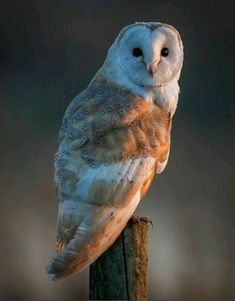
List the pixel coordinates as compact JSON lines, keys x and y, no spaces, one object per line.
{"x":49,"y":52}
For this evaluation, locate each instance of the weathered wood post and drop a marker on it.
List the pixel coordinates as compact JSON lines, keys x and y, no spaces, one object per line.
{"x":121,"y":273}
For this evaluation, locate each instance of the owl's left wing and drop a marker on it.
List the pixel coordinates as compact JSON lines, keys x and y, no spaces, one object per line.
{"x":104,"y":165}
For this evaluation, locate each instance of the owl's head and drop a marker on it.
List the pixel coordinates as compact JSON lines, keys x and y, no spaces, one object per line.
{"x":150,"y":54}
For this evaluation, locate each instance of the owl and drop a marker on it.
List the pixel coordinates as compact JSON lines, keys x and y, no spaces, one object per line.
{"x":115,"y":136}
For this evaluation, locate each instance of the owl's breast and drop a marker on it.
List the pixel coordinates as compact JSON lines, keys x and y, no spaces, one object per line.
{"x":147,"y":135}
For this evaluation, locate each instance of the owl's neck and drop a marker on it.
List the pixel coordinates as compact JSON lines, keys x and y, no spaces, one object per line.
{"x":165,"y":96}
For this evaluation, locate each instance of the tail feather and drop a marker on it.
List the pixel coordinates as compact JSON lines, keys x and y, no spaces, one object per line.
{"x":86,"y":247}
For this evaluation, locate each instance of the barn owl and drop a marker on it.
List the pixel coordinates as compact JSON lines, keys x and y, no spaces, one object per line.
{"x":115,"y":137}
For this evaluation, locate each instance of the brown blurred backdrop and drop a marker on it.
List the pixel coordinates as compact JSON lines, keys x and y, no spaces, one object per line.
{"x":49,"y":51}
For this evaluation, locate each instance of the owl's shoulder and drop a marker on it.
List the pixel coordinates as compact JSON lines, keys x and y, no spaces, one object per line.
{"x":95,"y":109}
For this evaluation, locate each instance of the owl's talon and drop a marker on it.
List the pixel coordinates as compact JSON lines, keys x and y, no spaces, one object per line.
{"x":135,"y":218}
{"x":138,"y":219}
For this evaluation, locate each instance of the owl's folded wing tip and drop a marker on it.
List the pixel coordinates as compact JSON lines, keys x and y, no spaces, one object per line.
{"x":52,"y":276}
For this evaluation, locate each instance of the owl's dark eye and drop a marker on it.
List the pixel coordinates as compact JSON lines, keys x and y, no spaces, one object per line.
{"x":137,"y":52}
{"x":165,"y":51}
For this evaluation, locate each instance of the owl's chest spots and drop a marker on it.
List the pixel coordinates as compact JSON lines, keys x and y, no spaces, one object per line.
{"x":146,"y":135}
{"x":120,"y":127}
{"x":149,"y":134}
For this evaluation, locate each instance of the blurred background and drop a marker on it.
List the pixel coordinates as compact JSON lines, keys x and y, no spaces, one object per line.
{"x":49,"y":51}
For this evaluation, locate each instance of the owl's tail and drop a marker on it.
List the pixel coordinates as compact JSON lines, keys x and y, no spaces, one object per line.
{"x":84,"y":249}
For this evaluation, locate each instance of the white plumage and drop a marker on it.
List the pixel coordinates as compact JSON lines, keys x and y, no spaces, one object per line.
{"x":114,"y":137}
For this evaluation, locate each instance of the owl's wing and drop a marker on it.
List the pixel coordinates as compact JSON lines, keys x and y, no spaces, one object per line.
{"x":88,"y":225}
{"x":104,"y":166}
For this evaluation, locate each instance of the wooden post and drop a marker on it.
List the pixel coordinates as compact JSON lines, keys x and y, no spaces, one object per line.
{"x":121,"y":273}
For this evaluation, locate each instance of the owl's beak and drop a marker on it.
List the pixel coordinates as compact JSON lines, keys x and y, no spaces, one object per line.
{"x":152,"y":67}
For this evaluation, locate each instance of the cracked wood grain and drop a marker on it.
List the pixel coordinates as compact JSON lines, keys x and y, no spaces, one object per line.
{"x":121,"y":273}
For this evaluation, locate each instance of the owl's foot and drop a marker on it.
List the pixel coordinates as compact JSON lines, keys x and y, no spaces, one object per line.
{"x":138,"y":219}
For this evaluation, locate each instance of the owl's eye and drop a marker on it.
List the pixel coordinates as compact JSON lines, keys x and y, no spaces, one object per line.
{"x":165,"y":51}
{"x":137,"y":52}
